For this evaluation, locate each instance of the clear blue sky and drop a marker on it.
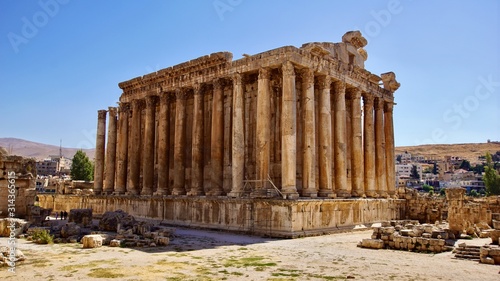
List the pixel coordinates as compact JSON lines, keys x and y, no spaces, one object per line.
{"x":62,"y":60}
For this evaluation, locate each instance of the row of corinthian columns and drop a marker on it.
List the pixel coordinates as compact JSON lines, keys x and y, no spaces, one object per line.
{"x":354,"y":157}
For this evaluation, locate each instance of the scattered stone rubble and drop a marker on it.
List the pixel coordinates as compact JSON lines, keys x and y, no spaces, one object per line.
{"x":410,"y":236}
{"x":7,"y":257}
{"x":116,"y":229}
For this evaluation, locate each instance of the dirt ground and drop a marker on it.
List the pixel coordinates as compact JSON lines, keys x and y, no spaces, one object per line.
{"x":210,"y":255}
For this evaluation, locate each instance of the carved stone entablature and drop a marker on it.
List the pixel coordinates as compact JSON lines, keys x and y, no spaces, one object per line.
{"x":389,"y":80}
{"x":355,"y":38}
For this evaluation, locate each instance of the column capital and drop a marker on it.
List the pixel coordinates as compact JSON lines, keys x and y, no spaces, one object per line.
{"x":150,"y":101}
{"x":264,"y":73}
{"x":101,"y":114}
{"x":218,"y":83}
{"x":339,"y":86}
{"x":324,"y":82}
{"x":288,"y":69}
{"x":368,"y":99}
{"x":123,"y":106}
{"x":307,"y":76}
{"x":379,"y":104}
{"x":388,"y":106}
{"x":181,"y":93}
{"x":197,"y":88}
{"x":165,"y":97}
{"x":354,"y":93}
{"x":112,"y":111}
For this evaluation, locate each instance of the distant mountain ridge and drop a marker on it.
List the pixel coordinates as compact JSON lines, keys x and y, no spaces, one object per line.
{"x":36,"y":150}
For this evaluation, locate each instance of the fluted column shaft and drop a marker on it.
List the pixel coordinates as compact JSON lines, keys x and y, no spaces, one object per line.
{"x":134,"y":158}
{"x":356,"y":145}
{"x":163,"y":144}
{"x":238,"y":138}
{"x":217,"y":151}
{"x":340,"y":141}
{"x":109,"y":183}
{"x":179,"y":143}
{"x":263,"y":134}
{"x":369,"y":146}
{"x":325,"y":138}
{"x":380,"y":148}
{"x":309,"y":148}
{"x":289,"y":133}
{"x":122,"y":147}
{"x":148,"y":156}
{"x":389,"y":148}
{"x":99,"y":151}
{"x":197,"y":147}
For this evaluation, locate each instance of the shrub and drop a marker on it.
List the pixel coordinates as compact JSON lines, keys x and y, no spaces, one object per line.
{"x":42,"y":236}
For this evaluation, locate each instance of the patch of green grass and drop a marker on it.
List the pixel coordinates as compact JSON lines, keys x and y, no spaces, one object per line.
{"x":105,"y":273}
{"x":242,"y":249}
{"x":248,"y":261}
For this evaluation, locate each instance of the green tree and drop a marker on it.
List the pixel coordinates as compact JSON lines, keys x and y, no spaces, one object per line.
{"x":414,"y":173}
{"x":478,"y":169}
{"x":427,"y":188}
{"x":82,"y":168}
{"x":491,"y":178}
{"x":465,"y":165}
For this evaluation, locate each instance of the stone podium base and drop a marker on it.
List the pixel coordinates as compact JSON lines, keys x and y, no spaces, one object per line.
{"x":286,"y":218}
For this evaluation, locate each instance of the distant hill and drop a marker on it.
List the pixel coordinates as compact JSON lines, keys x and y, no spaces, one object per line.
{"x":37,"y":150}
{"x":469,"y":151}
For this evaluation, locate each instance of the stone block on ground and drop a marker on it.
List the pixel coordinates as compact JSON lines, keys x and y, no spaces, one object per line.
{"x":70,"y":229}
{"x":92,"y":241}
{"x":18,"y":225}
{"x":80,"y":216}
{"x":110,"y":221}
{"x":372,"y":243}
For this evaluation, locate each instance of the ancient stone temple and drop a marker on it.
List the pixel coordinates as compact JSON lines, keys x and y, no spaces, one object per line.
{"x":310,"y":121}
{"x":270,"y":137}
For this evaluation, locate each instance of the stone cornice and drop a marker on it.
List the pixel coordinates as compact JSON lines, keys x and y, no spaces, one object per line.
{"x":220,"y":65}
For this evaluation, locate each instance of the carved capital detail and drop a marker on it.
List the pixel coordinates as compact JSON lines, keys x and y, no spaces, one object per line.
{"x":324,"y":82}
{"x":368,"y":100}
{"x":181,"y":93}
{"x":197,"y":88}
{"x":355,"y":93}
{"x":112,"y":111}
{"x":288,"y":69}
{"x":101,"y":114}
{"x":150,"y":101}
{"x":388,"y":106}
{"x":264,"y":73}
{"x":339,"y":87}
{"x":307,"y":76}
{"x":379,"y":103}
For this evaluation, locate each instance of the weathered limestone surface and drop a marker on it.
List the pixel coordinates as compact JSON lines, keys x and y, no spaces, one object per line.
{"x":92,"y":241}
{"x":278,"y":218}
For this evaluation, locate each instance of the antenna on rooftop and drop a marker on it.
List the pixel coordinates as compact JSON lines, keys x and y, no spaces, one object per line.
{"x":60,"y":148}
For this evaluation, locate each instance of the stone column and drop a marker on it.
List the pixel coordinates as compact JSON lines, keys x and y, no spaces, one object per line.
{"x":325,"y":138}
{"x":238,"y":137}
{"x":289,"y":133}
{"x":217,"y":152}
{"x":179,"y":143}
{"x":263,"y":134}
{"x":309,"y":148}
{"x":197,"y":147}
{"x":163,"y":144}
{"x":380,"y":168}
{"x":134,"y":159}
{"x":369,"y":146}
{"x":122,"y":148}
{"x":109,"y":183}
{"x":356,"y":145}
{"x":389,"y":148}
{"x":148,"y":155}
{"x":340,"y":141}
{"x":99,"y":151}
